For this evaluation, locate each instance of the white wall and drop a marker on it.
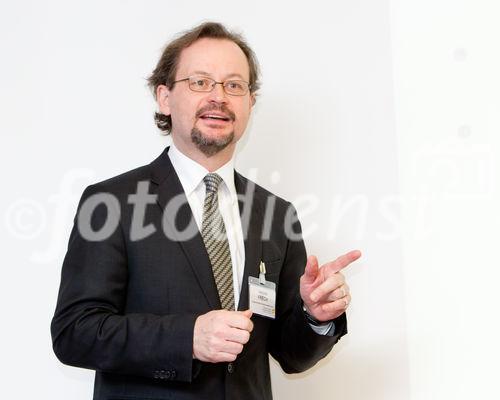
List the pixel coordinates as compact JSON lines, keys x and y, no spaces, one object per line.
{"x":377,"y":118}
{"x":447,"y":86}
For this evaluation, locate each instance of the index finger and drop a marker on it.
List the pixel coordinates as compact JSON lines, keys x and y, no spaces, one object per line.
{"x":343,"y":261}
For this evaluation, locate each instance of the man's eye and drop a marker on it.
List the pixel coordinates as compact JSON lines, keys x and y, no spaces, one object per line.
{"x":234,"y":85}
{"x":201,"y":82}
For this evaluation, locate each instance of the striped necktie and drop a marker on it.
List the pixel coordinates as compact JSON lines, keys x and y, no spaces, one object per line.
{"x":214,"y":236}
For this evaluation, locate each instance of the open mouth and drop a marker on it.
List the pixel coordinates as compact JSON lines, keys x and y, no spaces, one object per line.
{"x":213,"y":117}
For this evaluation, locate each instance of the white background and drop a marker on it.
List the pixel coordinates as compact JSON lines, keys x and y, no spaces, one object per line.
{"x":377,"y":118}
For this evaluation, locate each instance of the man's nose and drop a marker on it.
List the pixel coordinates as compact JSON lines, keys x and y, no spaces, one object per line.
{"x":218,"y":94}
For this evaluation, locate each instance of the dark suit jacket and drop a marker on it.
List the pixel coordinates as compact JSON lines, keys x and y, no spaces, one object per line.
{"x":127,"y":308}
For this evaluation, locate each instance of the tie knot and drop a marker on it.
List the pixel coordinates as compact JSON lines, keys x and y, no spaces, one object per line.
{"x":212,"y":182}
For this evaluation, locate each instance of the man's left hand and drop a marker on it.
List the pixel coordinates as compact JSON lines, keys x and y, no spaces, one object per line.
{"x":323,"y":290}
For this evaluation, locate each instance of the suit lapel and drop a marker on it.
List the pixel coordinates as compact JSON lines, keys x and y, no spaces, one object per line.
{"x":251,"y":223}
{"x":170,"y":189}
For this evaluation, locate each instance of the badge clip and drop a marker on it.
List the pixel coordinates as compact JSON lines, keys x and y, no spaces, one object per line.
{"x":262,"y":273}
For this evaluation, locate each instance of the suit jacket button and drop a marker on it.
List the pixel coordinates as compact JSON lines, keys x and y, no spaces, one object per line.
{"x":173,"y":374}
{"x":230,"y":368}
{"x":156,"y":375}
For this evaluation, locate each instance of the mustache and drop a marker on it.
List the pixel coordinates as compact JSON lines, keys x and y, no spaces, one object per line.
{"x":214,"y":107}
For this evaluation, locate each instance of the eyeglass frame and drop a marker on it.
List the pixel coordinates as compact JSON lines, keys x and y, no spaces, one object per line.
{"x":249,"y":87}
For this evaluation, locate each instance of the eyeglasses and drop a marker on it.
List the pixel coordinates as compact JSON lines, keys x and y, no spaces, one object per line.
{"x":203,"y":84}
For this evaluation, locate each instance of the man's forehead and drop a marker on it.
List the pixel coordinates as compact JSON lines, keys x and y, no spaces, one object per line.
{"x":214,"y":57}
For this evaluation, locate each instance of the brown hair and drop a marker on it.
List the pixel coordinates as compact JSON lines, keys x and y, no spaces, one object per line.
{"x":166,"y":69}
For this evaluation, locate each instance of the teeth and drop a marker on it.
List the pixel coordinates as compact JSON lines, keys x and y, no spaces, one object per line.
{"x":214,"y":116}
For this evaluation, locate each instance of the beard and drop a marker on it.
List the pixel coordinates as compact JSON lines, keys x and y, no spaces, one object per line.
{"x":207,"y":146}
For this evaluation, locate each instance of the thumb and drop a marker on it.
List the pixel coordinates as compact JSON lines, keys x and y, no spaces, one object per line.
{"x":247,"y":313}
{"x":311,"y":270}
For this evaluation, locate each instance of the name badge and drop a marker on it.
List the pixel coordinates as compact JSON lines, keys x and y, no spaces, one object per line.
{"x":262,"y":294}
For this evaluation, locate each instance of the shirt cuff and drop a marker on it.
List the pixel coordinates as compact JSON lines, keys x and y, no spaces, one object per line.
{"x":327,"y":328}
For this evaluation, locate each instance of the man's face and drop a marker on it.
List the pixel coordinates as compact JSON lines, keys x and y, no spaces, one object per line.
{"x":192,"y":126}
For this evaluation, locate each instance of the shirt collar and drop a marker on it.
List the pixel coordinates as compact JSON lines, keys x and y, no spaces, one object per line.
{"x":191,"y":173}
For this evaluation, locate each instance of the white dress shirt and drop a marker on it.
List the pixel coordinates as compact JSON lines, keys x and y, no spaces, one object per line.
{"x":191,"y":175}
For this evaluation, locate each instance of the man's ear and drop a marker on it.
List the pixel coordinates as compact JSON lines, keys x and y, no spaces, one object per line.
{"x":253,"y":99}
{"x":163,"y":98}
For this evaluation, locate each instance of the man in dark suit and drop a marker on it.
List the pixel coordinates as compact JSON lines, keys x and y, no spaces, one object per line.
{"x":156,"y":286}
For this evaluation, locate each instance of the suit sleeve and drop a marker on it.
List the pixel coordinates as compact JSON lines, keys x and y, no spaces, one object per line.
{"x":89,"y":328}
{"x":292,"y":341}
